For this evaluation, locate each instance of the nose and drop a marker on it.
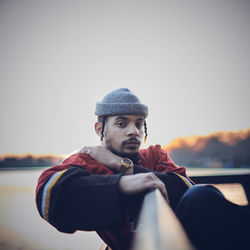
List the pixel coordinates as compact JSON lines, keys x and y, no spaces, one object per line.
{"x":132,"y":130}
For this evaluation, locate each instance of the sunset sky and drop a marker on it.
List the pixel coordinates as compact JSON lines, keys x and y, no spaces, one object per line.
{"x":187,"y":60}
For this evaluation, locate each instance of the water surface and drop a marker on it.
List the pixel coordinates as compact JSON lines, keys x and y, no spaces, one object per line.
{"x":21,"y":227}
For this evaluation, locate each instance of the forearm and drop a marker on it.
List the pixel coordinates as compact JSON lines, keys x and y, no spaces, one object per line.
{"x":84,"y":202}
{"x":176,"y":184}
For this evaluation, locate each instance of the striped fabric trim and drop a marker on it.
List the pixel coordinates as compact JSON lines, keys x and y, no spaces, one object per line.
{"x":46,"y":193}
{"x":187,"y":182}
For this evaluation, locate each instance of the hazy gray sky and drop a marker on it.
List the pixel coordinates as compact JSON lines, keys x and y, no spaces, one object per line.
{"x":187,"y":60}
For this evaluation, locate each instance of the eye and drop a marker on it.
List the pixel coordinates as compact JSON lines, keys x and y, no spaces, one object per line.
{"x":121,"y":124}
{"x":139,"y":125}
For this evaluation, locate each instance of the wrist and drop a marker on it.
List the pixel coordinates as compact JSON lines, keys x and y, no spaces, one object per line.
{"x":129,"y":171}
{"x":123,"y":165}
{"x":126,"y":167}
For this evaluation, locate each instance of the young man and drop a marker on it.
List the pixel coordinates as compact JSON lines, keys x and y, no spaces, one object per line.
{"x":101,"y":187}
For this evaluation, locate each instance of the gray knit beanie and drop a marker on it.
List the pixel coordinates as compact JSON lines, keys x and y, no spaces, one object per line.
{"x":121,"y":102}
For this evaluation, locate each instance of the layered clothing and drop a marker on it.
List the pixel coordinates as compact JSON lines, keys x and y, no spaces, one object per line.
{"x":83,"y":194}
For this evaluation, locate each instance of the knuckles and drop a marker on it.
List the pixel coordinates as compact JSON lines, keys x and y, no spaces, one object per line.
{"x":148,"y":179}
{"x":150,"y":176}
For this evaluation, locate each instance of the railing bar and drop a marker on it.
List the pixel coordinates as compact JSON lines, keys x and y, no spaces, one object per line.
{"x":158,"y":227}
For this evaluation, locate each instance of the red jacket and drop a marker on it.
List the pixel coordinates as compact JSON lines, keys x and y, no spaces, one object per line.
{"x":83,"y":194}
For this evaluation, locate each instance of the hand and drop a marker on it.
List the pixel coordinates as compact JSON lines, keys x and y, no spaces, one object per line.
{"x":103,"y":155}
{"x":137,"y":183}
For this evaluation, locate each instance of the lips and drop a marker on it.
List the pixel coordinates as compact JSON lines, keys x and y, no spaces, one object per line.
{"x":132,"y":142}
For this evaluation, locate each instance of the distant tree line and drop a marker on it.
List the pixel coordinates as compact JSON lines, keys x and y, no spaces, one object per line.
{"x":215,"y":154}
{"x":29,"y":161}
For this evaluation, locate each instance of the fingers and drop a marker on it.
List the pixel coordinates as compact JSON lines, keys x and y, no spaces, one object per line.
{"x":82,"y":151}
{"x":85,"y":150}
{"x":137,"y":183}
{"x":155,"y":182}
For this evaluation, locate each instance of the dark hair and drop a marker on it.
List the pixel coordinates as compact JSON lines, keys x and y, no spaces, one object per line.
{"x":145,"y":131}
{"x":102,"y":120}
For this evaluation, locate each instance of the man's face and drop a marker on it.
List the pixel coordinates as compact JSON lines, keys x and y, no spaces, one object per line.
{"x":123,"y":134}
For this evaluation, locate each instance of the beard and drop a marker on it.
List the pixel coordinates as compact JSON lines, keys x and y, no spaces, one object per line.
{"x":133,"y":157}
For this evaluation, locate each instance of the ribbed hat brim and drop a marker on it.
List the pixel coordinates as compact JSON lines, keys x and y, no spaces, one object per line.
{"x":103,"y":109}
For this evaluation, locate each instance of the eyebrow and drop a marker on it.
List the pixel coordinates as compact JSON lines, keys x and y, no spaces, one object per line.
{"x":121,"y":117}
{"x":126,"y":118}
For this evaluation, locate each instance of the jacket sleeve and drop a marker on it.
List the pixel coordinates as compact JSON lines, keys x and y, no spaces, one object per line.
{"x":176,"y":184}
{"x":160,"y":161}
{"x":74,"y":199}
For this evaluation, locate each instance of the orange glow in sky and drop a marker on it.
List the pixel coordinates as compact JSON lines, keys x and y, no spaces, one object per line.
{"x":197,"y":143}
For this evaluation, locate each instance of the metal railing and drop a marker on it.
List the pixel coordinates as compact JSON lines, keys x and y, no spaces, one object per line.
{"x":158,"y":227}
{"x":229,"y":178}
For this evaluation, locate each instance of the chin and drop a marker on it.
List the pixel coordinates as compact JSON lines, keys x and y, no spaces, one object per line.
{"x":128,"y":153}
{"x":131,"y":151}
{"x":132,"y":155}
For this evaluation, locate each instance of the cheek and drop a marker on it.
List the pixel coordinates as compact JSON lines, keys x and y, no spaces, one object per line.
{"x":113,"y":138}
{"x":117,"y":138}
{"x":141,"y":133}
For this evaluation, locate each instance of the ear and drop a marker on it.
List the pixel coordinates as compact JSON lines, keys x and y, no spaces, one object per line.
{"x":98,"y":128}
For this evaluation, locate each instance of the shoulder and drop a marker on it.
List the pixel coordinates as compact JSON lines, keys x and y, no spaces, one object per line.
{"x":153,"y":151}
{"x":80,"y":159}
{"x":73,"y":160}
{"x":151,"y":155}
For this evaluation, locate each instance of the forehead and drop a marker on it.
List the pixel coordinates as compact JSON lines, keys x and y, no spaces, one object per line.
{"x":127,"y":117}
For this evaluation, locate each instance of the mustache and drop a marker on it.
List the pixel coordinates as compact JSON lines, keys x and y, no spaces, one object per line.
{"x":131,"y":140}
